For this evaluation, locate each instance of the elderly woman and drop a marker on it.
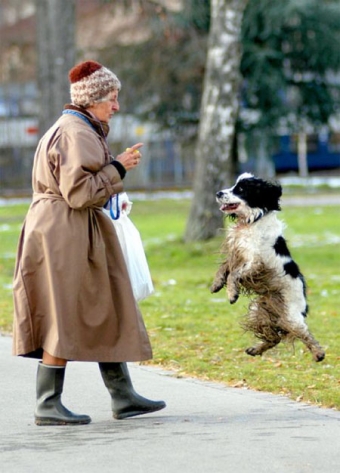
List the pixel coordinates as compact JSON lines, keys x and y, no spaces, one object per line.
{"x":72,"y":294}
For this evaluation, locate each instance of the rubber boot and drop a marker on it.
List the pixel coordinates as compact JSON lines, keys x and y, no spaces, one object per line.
{"x":49,"y":409}
{"x":124,"y":399}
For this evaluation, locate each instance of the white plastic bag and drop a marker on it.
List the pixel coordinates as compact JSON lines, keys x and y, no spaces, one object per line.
{"x":132,"y":247}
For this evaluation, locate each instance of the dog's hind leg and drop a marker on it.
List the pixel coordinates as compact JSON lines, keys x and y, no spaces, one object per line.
{"x":313,"y":345}
{"x":298,"y":329}
{"x":262,"y":321}
{"x":263,"y":346}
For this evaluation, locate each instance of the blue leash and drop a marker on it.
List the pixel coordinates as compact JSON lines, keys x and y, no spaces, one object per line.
{"x":86,"y":120}
{"x":113,"y":216}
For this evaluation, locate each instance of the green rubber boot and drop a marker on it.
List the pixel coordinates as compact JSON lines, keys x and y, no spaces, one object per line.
{"x":124,"y":399}
{"x":49,"y":409}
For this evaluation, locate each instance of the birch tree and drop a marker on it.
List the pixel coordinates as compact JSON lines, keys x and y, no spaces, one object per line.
{"x":56,"y":56}
{"x":219,"y":110}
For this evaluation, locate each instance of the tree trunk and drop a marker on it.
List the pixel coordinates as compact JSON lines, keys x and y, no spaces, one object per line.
{"x":56,"y":56}
{"x":219,"y":111}
{"x":264,"y":165}
{"x":302,"y":154}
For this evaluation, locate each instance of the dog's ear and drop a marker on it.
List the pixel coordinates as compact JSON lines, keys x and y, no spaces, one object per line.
{"x":274,"y":192}
{"x":265,"y":194}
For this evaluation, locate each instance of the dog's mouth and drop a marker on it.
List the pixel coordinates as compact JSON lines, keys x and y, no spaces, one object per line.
{"x":229,"y":207}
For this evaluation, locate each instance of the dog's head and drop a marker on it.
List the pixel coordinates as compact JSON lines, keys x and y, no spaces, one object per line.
{"x":250,"y":198}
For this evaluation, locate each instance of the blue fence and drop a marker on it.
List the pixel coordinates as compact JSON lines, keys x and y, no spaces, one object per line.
{"x":323,"y":153}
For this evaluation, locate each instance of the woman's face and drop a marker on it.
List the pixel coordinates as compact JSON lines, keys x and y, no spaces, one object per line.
{"x":104,"y":111}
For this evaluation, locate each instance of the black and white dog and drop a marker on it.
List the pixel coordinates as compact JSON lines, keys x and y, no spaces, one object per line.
{"x":259,"y":263}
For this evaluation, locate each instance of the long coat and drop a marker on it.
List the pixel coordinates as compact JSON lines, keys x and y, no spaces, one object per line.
{"x":72,"y":293}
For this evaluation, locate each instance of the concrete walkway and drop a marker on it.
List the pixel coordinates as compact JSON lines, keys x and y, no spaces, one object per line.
{"x":206,"y":428}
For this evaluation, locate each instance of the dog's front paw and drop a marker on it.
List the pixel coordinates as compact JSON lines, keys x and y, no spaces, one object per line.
{"x":233,"y":299}
{"x":232,"y":292}
{"x":216,"y":286}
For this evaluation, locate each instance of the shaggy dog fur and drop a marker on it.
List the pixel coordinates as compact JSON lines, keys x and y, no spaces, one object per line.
{"x":259,"y":264}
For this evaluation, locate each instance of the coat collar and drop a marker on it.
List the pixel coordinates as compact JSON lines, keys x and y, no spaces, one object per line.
{"x":101,"y":128}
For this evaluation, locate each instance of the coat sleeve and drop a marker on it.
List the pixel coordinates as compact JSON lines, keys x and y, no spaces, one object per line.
{"x":81,"y":169}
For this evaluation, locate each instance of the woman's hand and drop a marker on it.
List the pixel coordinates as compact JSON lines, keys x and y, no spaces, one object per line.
{"x":131,"y":157}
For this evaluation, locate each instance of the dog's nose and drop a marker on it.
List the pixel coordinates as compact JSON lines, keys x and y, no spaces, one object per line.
{"x":219,"y":194}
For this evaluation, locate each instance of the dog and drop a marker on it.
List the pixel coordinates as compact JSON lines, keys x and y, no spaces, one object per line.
{"x":259,"y":264}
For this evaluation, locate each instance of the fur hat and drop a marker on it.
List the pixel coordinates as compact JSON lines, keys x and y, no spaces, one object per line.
{"x":90,"y":82}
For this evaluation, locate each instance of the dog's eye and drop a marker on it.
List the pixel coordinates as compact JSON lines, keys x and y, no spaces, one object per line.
{"x":240,"y":188}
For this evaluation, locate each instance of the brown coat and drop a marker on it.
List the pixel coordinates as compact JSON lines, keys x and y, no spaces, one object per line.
{"x":72,"y":294}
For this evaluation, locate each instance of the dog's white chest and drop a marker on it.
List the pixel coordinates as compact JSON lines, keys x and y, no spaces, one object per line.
{"x":255,"y":240}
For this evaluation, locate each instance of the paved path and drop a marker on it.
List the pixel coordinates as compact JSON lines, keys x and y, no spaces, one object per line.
{"x":206,"y":428}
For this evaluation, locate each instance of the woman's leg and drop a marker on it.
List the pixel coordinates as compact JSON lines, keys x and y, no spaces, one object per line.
{"x":53,"y":360}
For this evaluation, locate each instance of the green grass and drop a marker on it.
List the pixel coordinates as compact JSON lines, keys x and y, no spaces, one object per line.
{"x":11,"y":219}
{"x":196,"y":333}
